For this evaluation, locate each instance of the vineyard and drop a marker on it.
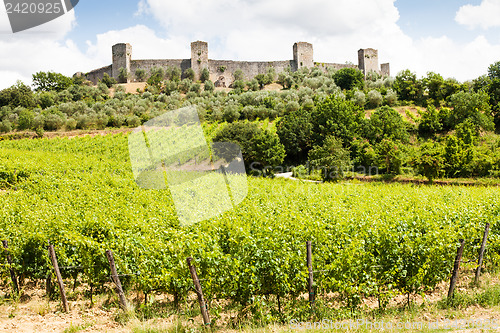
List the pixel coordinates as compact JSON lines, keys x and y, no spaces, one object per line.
{"x":369,"y":240}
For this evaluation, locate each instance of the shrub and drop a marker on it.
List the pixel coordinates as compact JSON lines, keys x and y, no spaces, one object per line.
{"x":133,"y":121}
{"x":71,"y":124}
{"x":107,"y":80}
{"x":25,"y":120}
{"x":5,"y":126}
{"x":375,"y":98}
{"x":238,"y":75}
{"x":430,"y":161}
{"x":209,"y":86}
{"x":359,"y":98}
{"x":123,"y":75}
{"x":205,"y":75}
{"x":349,"y":78}
{"x":54,"y":122}
{"x":391,"y":97}
{"x":189,"y":74}
{"x":259,"y":147}
{"x":331,"y":158}
{"x":387,"y":123}
{"x":390,"y":156}
{"x":140,"y":74}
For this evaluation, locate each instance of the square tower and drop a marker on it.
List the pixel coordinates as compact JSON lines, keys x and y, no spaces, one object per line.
{"x":303,"y":55}
{"x":368,"y":61}
{"x":122,"y":55}
{"x":199,"y":57}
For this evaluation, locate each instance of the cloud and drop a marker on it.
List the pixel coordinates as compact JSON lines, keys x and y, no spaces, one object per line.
{"x":484,"y":15}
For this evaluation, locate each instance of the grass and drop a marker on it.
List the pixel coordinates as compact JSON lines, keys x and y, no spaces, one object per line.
{"x":77,"y":328}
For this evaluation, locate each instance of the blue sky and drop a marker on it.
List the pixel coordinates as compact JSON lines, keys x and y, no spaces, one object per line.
{"x":458,"y":38}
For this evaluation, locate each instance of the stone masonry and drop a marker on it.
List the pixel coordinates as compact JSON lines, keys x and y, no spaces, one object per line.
{"x":221,"y":71}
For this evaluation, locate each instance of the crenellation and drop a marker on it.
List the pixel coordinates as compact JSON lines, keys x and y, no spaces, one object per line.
{"x":221,"y":71}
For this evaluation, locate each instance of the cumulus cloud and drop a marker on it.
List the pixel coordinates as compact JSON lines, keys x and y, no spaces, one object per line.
{"x":484,"y":15}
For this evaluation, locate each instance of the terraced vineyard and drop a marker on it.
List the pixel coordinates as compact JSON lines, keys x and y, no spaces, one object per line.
{"x":368,"y":239}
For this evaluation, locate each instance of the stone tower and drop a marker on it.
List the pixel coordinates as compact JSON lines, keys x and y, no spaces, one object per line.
{"x":122,"y":55}
{"x":199,"y":57}
{"x":303,"y":55}
{"x":385,"y":69}
{"x":368,"y":61}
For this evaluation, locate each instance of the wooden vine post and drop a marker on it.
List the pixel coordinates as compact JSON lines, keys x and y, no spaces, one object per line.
{"x":11,"y":269}
{"x":53,"y":258}
{"x":116,"y":280}
{"x":199,"y":292}
{"x":310,"y":280}
{"x":481,"y":254}
{"x":456,"y":267}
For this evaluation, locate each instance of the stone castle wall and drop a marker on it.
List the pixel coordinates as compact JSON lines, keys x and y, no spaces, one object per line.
{"x":221,"y":71}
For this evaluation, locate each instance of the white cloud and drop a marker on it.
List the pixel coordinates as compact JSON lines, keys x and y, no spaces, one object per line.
{"x":485,"y":15}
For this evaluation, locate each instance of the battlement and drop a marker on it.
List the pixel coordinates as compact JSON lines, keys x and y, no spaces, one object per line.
{"x":221,"y":71}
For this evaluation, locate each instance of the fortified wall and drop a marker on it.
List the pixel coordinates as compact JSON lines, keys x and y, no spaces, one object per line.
{"x":221,"y":71}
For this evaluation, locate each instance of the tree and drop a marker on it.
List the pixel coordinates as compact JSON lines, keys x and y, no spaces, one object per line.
{"x":189,"y":74}
{"x":430,"y":161}
{"x":238,"y":75}
{"x":337,"y":117}
{"x":430,"y":122}
{"x":25,"y":120}
{"x":17,"y":95}
{"x":408,"y":87}
{"x":387,"y":123}
{"x":257,"y":145}
{"x":107,"y":80}
{"x":349,"y":78}
{"x":331,"y":158}
{"x":140,"y":74}
{"x":471,"y":105}
{"x":294,"y":131}
{"x":51,"y":81}
{"x":375,"y":98}
{"x":209,"y":86}
{"x":390,"y":156}
{"x":205,"y":75}
{"x":123,"y":75}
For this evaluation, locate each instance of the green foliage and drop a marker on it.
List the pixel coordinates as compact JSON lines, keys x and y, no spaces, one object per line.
{"x":349,"y":78}
{"x":51,"y":81}
{"x":359,"y":98}
{"x":408,"y":87}
{"x":156,"y":77}
{"x":258,"y":146}
{"x":17,"y":95}
{"x":473,"y":106}
{"x":205,"y":75}
{"x":209,"y":86}
{"x":107,"y":80}
{"x":239,"y":75}
{"x":140,"y":74}
{"x":387,"y":123}
{"x":337,"y":117}
{"x":390,"y":156}
{"x":173,"y":74}
{"x":80,"y":195}
{"x":294,"y":131}
{"x":331,"y":158}
{"x":430,"y":122}
{"x":123,"y":75}
{"x":26,"y":118}
{"x":430,"y":162}
{"x":189,"y":74}
{"x":375,"y":99}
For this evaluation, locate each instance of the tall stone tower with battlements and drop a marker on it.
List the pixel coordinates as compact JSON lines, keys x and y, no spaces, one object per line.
{"x":368,"y":62}
{"x":122,"y":55}
{"x":199,"y":57}
{"x":303,"y":55}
